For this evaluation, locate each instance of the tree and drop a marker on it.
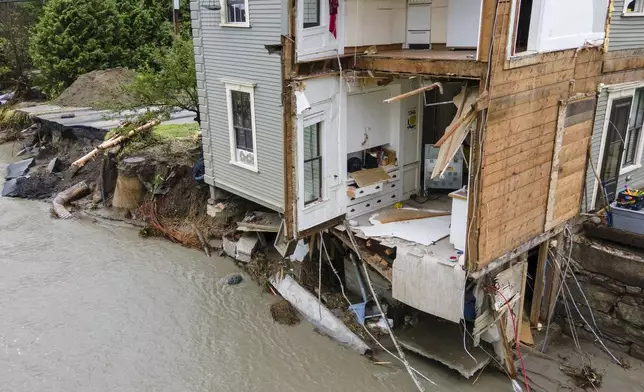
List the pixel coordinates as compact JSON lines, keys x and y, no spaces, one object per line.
{"x":175,"y":84}
{"x":74,"y":37}
{"x":144,"y":26}
{"x":16,"y":23}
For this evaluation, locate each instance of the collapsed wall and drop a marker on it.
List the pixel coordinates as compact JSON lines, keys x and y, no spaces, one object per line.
{"x":611,"y":280}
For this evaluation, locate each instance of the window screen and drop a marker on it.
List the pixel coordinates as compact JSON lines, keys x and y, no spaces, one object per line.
{"x":311,"y":9}
{"x":312,"y":164}
{"x":242,"y":120}
{"x":236,"y":11}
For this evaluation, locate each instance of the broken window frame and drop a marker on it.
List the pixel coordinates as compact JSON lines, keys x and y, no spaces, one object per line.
{"x":239,"y":9}
{"x":236,"y":128}
{"x":316,"y":157}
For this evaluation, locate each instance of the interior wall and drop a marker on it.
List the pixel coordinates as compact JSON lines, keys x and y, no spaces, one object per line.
{"x":371,"y":22}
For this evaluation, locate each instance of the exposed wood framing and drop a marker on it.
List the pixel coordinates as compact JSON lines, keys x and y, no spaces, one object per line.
{"x":509,"y":359}
{"x":526,"y":246}
{"x":524,"y":278}
{"x":321,"y":227}
{"x":554,"y":172}
{"x":487,"y":25}
{"x":289,"y":71}
{"x":553,"y":280}
{"x":429,"y":67}
{"x":535,"y":309}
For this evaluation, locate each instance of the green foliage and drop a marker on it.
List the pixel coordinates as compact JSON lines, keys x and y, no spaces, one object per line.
{"x":73,"y":37}
{"x":16,"y":22}
{"x":144,"y":26}
{"x":175,"y":84}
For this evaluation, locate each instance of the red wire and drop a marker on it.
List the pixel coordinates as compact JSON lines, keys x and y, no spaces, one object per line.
{"x":516,"y":337}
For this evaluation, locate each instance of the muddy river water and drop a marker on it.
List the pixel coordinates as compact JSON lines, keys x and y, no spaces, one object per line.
{"x":87,"y":306}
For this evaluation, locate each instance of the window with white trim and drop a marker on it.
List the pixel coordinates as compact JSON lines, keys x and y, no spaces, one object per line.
{"x":634,"y":7}
{"x":312,"y":163}
{"x":311,"y":13}
{"x":241,"y":122}
{"x":234,"y":13}
{"x":634,"y":133}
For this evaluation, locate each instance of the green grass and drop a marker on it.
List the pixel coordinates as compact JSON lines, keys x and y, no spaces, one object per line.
{"x":175,"y":131}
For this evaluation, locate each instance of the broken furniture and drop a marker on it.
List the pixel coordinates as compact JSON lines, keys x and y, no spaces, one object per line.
{"x":371,"y":189}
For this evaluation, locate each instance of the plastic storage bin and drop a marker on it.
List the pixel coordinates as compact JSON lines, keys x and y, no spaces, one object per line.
{"x":629,"y":220}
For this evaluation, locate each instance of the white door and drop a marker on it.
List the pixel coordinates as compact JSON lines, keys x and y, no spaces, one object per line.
{"x":314,"y":40}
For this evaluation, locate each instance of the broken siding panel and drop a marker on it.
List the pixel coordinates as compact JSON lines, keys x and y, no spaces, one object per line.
{"x":239,"y":54}
{"x":625,"y":32}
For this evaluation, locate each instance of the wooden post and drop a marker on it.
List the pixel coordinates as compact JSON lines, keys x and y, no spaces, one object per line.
{"x":537,"y":295}
{"x":524,"y":277}
{"x":509,"y":360}
{"x":552,"y":285}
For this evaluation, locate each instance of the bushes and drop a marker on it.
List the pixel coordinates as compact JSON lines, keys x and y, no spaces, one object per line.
{"x":74,"y":37}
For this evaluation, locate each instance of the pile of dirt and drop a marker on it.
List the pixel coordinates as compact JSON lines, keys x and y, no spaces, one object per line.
{"x":284,"y":313}
{"x":100,"y":90}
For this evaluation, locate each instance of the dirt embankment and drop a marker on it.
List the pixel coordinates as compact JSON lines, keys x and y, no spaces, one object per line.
{"x":105,"y":89}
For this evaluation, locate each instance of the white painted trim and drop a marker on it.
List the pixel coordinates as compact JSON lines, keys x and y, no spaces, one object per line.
{"x":630,"y":168}
{"x":223,"y":13}
{"x":639,"y":9}
{"x":319,"y":116}
{"x":614,"y":92}
{"x":250,"y":89}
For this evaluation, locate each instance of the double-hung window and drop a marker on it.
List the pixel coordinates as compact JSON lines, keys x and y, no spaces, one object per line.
{"x":241,"y":122}
{"x":234,"y":13}
{"x":634,"y":133}
{"x":312,"y":163}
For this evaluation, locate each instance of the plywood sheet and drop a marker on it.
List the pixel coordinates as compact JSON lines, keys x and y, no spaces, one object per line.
{"x":370,"y":176}
{"x":422,"y":231}
{"x":405,"y":214}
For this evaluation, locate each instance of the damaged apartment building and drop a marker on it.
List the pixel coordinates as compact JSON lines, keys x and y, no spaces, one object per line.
{"x":444,"y":143}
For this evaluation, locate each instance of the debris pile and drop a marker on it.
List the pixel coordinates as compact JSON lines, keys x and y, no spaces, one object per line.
{"x":284,"y":313}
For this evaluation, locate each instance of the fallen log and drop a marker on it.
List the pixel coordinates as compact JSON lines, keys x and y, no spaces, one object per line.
{"x":70,"y":194}
{"x":113,"y":141}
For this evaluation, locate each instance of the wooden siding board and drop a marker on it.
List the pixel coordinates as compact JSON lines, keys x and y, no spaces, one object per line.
{"x":239,"y":54}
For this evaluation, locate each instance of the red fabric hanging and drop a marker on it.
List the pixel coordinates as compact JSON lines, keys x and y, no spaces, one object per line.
{"x":333,"y":14}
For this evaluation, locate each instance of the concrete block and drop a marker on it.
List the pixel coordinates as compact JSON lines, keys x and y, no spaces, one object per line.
{"x":230,"y":247}
{"x":598,"y":297}
{"x":246,"y":246}
{"x":214,"y":211}
{"x":625,"y":267}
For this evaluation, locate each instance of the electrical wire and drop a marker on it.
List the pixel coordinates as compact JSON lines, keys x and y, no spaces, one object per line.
{"x":516,"y":334}
{"x":401,"y":353}
{"x":337,"y":275}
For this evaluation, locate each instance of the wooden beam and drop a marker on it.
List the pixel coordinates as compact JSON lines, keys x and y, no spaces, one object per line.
{"x":430,"y":67}
{"x":554,"y":172}
{"x":537,"y":295}
{"x":524,"y":277}
{"x":501,"y":261}
{"x":509,"y":359}
{"x":414,"y":92}
{"x":553,"y":281}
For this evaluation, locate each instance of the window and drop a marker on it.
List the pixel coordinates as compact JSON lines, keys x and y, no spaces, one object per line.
{"x":241,"y":122}
{"x":634,"y":7}
{"x":311,"y":13}
{"x":631,"y":145}
{"x":235,"y":13}
{"x":312,"y":164}
{"x":522,"y":33}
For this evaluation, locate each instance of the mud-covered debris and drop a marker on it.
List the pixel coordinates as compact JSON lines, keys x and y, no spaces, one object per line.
{"x":284,"y":313}
{"x":234,"y":279}
{"x":38,"y":186}
{"x":55,"y":165}
{"x":20,"y":168}
{"x":585,"y":377}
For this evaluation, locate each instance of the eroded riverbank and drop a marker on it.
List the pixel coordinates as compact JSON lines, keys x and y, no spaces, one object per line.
{"x":94,"y":307}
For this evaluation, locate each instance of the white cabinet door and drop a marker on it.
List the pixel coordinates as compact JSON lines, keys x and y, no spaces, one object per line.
{"x":463,"y":23}
{"x":356,"y":128}
{"x":378,"y":118}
